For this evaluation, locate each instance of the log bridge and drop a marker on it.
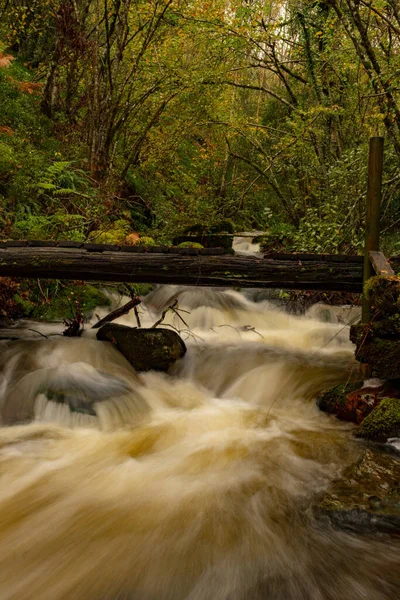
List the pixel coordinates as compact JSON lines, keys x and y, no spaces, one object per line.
{"x":180,"y":266}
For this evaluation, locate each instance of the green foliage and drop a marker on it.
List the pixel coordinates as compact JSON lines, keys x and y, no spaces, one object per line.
{"x":190,"y":245}
{"x":193,"y":124}
{"x":146,"y":241}
{"x":53,"y":301}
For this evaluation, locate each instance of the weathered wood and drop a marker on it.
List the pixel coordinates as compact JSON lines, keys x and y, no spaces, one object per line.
{"x":372,"y":224}
{"x":381,"y":264}
{"x":118,"y":312}
{"x":184,"y":269}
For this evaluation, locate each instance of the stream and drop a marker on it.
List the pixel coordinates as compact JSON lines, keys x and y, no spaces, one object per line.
{"x":197,"y":485}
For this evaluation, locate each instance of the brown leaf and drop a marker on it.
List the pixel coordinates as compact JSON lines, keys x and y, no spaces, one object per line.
{"x":7,"y":130}
{"x":132,"y":238}
{"x":6,"y":60}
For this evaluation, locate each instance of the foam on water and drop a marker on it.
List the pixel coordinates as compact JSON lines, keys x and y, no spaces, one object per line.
{"x":195,"y":485}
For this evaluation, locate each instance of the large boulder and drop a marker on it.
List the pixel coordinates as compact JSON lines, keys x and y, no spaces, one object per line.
{"x":378,"y":342}
{"x":383,"y":354}
{"x":146,"y":349}
{"x":382,"y":423}
{"x":366,"y":499}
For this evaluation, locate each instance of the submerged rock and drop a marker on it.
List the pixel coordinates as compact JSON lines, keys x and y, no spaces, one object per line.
{"x":366,"y":499}
{"x":78,"y":386}
{"x":146,"y":349}
{"x":383,"y":422}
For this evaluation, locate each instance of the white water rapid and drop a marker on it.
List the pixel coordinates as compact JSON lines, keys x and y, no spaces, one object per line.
{"x":196,"y":485}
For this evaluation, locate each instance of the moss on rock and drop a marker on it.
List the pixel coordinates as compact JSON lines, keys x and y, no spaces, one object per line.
{"x":333,"y":399}
{"x":384,"y":293}
{"x":366,"y":498}
{"x":146,"y":349}
{"x":382,"y":353}
{"x":383,"y":422}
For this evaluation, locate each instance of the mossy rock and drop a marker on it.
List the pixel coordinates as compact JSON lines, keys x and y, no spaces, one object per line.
{"x":366,"y":498}
{"x":384,"y":293}
{"x":191,"y":245}
{"x":382,"y":353}
{"x":334,"y":399}
{"x":388,"y":327}
{"x":382,"y":423}
{"x":146,"y":349}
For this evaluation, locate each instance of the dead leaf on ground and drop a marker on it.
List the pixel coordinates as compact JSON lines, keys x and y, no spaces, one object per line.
{"x":6,"y":59}
{"x":7,"y":130}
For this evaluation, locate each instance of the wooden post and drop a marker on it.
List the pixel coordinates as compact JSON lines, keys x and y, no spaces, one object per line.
{"x":372,"y":225}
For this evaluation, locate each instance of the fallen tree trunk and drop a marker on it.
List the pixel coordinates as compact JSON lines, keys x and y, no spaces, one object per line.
{"x":303,"y":272}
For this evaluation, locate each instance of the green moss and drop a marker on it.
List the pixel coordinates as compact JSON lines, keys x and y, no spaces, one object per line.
{"x":383,"y":422}
{"x":142,"y":289}
{"x":191,"y":245}
{"x":146,"y":241}
{"x":384,"y":293}
{"x":62,"y":303}
{"x":329,"y":400}
{"x":382,"y":353}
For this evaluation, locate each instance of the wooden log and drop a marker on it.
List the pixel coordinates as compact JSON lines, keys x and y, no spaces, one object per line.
{"x":381,"y":264}
{"x":181,"y":269}
{"x":372,"y":224}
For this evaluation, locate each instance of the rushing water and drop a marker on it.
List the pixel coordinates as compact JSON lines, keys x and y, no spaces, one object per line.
{"x":196,"y":485}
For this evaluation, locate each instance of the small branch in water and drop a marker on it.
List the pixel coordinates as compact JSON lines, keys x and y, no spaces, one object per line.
{"x":175,"y":310}
{"x":232,"y":327}
{"x":74,"y":327}
{"x":38,"y":332}
{"x":250,"y":328}
{"x":137,"y":316}
{"x":118,"y":312}
{"x":161,"y":319}
{"x":186,"y":331}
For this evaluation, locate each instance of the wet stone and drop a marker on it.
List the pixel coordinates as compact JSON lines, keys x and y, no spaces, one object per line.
{"x":146,"y":349}
{"x":366,"y":499}
{"x":354,"y":402}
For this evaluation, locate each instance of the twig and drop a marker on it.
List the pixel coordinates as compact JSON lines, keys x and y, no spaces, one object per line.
{"x":137,"y":316}
{"x":232,"y":327}
{"x":38,"y":332}
{"x":118,"y":312}
{"x":187,"y":331}
{"x":161,"y":319}
{"x":250,"y":328}
{"x":174,"y":310}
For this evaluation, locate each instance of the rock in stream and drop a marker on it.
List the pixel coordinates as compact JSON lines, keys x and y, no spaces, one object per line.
{"x":146,"y":349}
{"x":366,"y":499}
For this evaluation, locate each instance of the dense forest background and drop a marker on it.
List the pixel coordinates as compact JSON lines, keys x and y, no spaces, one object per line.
{"x":128,"y":118}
